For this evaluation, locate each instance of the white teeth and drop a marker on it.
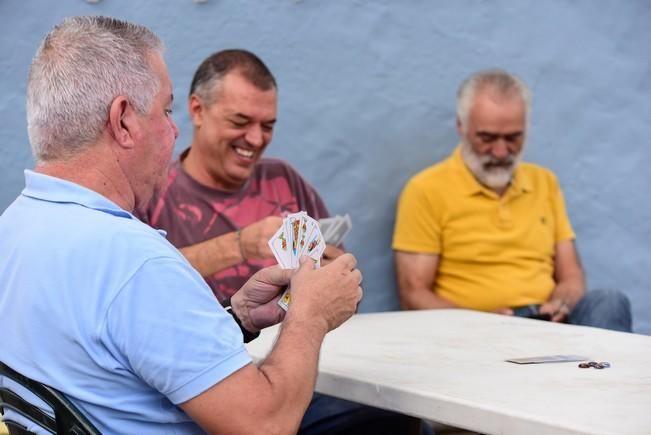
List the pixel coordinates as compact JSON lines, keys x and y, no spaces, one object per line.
{"x":244,"y":153}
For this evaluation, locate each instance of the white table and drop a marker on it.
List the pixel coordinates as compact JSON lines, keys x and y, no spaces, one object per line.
{"x":448,"y":366}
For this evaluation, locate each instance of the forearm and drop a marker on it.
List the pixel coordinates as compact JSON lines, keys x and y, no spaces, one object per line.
{"x":215,"y":254}
{"x":568,"y":274}
{"x":272,"y":398}
{"x":569,"y":290}
{"x":423,"y":299}
{"x":290,"y":371}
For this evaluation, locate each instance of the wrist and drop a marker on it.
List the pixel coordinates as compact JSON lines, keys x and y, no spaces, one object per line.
{"x":249,"y":333}
{"x":561,"y":305}
{"x":240,"y":249}
{"x":246,"y":334}
{"x":316,"y":324}
{"x":240,"y":309}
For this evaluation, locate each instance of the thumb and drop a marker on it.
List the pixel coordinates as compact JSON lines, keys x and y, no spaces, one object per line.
{"x":273,"y":275}
{"x":306,"y":263}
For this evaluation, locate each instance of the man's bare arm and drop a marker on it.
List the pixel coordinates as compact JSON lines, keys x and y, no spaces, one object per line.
{"x":270,"y":399}
{"x":273,"y":398}
{"x":222,"y":252}
{"x":416,"y":275}
{"x":570,"y":281}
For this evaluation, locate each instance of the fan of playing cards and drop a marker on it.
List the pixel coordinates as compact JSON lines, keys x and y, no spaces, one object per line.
{"x":299,"y":235}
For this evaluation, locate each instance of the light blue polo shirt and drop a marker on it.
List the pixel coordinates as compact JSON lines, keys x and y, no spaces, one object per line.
{"x":102,"y":307}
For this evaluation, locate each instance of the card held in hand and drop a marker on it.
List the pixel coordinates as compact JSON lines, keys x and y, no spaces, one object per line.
{"x":335,"y":229}
{"x":299,"y":235}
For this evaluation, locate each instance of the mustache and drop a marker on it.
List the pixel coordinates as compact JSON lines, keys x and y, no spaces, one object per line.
{"x":490,"y":162}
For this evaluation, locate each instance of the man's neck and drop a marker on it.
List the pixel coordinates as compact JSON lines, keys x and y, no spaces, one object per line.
{"x":193,"y":165}
{"x":501,"y":190}
{"x":96,"y":169}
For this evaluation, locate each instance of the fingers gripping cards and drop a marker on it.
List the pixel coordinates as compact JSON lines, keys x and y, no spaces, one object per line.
{"x":299,"y":235}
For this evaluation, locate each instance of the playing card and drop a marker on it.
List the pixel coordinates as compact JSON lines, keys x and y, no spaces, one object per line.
{"x":339,"y":231}
{"x":293,"y":227}
{"x":280,"y":247}
{"x":326,"y":223}
{"x":315,"y":246}
{"x":298,"y":235}
{"x":302,"y":235}
{"x":548,"y":359}
{"x":285,"y":300}
{"x":327,"y":235}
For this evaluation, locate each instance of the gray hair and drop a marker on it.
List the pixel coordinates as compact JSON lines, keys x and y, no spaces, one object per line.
{"x":78,"y":70}
{"x":503,"y":82}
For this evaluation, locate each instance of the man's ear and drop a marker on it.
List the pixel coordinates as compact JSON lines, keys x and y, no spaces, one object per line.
{"x":122,"y":122}
{"x":196,"y":110}
{"x":459,"y":127}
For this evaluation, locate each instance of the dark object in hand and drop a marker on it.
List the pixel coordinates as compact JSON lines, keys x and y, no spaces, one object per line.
{"x":540,"y":316}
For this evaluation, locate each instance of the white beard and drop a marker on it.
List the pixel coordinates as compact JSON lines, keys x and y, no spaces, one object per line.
{"x":493,"y":177}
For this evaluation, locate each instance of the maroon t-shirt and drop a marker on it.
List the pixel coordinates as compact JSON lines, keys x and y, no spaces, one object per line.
{"x":192,"y":213}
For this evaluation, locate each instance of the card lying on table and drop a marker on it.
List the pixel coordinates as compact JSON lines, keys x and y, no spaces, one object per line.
{"x":299,"y":235}
{"x":548,"y":359}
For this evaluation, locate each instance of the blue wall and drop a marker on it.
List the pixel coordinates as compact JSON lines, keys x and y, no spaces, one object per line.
{"x":367,"y":99}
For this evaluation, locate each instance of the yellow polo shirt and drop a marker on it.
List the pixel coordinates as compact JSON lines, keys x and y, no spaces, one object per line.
{"x":494,"y":251}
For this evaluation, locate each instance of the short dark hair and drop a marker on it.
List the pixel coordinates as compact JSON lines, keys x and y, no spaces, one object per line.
{"x":215,"y":67}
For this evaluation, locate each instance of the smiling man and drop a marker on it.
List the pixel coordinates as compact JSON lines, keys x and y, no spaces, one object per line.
{"x":222,"y":200}
{"x":483,"y":231}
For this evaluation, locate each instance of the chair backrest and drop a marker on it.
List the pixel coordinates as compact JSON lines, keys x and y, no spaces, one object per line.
{"x":68,"y":420}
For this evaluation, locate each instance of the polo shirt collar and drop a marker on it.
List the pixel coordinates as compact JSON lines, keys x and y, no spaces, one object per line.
{"x":520,"y":183}
{"x":53,"y":189}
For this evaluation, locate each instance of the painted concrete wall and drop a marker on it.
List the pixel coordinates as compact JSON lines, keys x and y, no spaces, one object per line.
{"x":367,"y":99}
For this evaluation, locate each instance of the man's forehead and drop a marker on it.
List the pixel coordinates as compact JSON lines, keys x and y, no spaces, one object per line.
{"x":493,"y":97}
{"x":250,"y":102}
{"x":490,"y":105}
{"x":235,"y":85}
{"x":160,"y":69}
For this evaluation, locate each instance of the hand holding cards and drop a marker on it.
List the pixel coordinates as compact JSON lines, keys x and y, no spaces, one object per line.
{"x":298,"y":235}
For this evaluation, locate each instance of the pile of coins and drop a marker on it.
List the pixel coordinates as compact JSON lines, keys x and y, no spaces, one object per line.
{"x":596,"y":365}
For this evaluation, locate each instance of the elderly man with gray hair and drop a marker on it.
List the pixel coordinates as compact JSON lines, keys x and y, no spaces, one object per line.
{"x":100,"y":305}
{"x":483,"y":231}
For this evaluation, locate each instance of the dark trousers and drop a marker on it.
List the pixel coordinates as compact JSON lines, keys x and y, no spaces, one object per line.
{"x":607,"y":309}
{"x":328,"y":415}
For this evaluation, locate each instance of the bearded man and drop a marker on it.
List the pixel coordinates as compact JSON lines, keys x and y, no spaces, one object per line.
{"x":483,"y":231}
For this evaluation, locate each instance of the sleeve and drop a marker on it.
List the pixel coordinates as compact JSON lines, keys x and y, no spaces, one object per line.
{"x":417,"y":228}
{"x":564,"y":229}
{"x":171,"y":331}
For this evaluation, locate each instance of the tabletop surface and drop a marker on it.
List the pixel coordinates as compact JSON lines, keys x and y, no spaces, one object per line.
{"x":449,"y":366}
